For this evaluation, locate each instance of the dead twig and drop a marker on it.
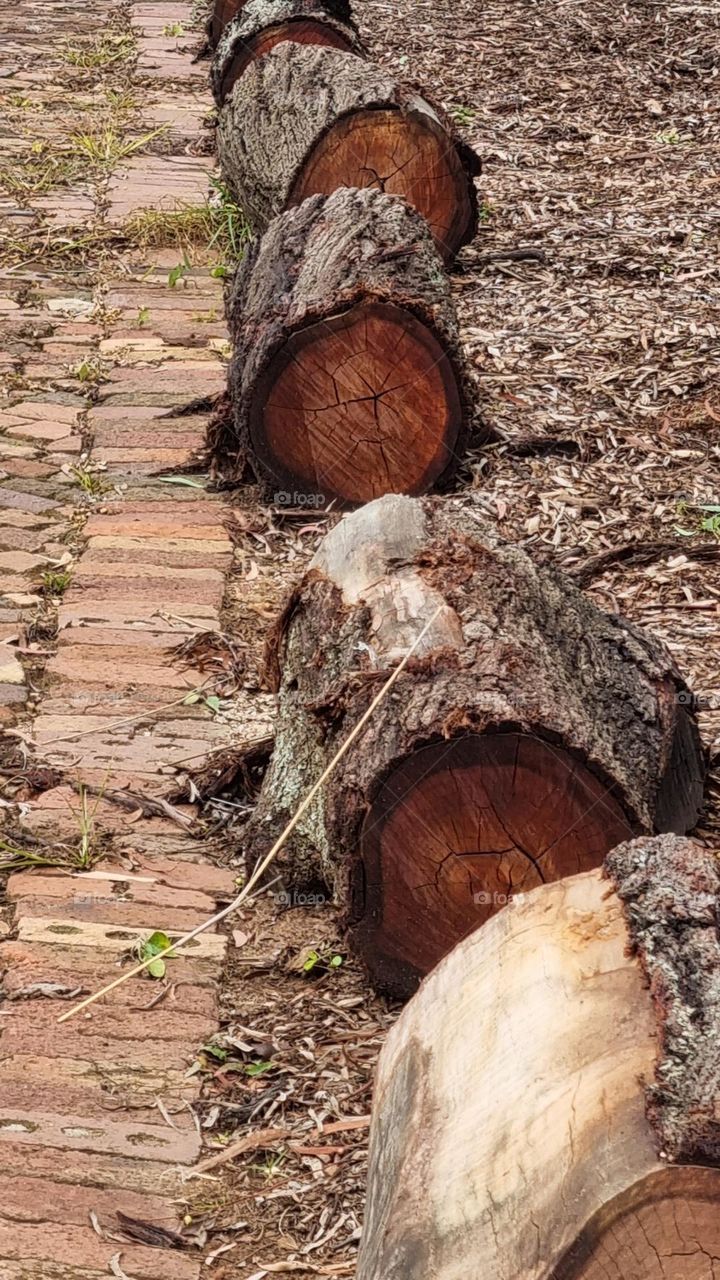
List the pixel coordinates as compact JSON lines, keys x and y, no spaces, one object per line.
{"x":265,"y":862}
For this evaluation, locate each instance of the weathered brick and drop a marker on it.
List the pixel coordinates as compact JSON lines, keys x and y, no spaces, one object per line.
{"x":64,"y":1245}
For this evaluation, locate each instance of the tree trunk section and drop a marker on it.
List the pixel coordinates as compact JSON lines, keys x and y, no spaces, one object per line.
{"x":222,"y":12}
{"x":516,"y":1130}
{"x":305,"y":120}
{"x":347,"y":380}
{"x":530,"y":734}
{"x":263,"y":24}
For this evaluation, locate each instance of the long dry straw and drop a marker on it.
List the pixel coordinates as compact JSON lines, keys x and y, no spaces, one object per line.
{"x":264,"y":863}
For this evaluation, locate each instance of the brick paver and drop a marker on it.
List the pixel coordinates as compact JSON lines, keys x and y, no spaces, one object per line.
{"x":99,"y":366}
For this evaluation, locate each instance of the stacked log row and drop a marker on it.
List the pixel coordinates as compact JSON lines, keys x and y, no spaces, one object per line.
{"x":347,"y":379}
{"x":548,"y":1105}
{"x":262,"y":24}
{"x":529,"y":735}
{"x":306,"y":120}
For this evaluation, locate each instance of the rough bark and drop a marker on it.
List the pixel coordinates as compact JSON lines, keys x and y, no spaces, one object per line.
{"x":318,"y":276}
{"x":263,"y":23}
{"x":222,"y":12}
{"x":511,"y":1136}
{"x":304,"y":120}
{"x":671,"y":891}
{"x":530,"y":734}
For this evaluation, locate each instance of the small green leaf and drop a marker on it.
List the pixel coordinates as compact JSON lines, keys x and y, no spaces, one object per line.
{"x":157,"y":942}
{"x":157,"y":969}
{"x":311,"y":961}
{"x":219,"y":273}
{"x":335,"y":962}
{"x":191,"y":698}
{"x":213,"y":702}
{"x":258,"y":1068}
{"x":215,"y":1051}
{"x":176,"y":274}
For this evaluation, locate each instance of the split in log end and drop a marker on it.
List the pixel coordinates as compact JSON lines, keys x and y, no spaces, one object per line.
{"x":358,"y":405}
{"x":665,"y":1227}
{"x":488,"y":818}
{"x":404,"y":153}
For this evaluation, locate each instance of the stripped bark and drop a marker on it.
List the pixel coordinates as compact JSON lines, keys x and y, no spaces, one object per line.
{"x":530,"y":735}
{"x":511,"y":1131}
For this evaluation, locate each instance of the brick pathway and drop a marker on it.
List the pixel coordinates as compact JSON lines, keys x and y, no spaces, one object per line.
{"x":97,"y":355}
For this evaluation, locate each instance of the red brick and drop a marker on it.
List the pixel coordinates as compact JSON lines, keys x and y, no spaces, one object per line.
{"x":42,"y":1200}
{"x":65,"y":1245}
{"x":165,"y":595}
{"x":26,"y":501}
{"x":86,"y":1169}
{"x":91,"y":906}
{"x":148,"y":1048}
{"x":25,"y":962}
{"x":133,"y":887}
{"x":112,"y":669}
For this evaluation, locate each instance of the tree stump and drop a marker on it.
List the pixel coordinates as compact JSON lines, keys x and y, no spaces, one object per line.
{"x":222,"y":12}
{"x":548,"y":1105}
{"x":347,"y":380}
{"x":529,"y":735}
{"x":262,"y":24}
{"x":305,"y":120}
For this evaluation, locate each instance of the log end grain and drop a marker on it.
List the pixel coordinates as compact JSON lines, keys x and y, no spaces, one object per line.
{"x":263,"y":24}
{"x":307,"y":120}
{"x":348,"y":379}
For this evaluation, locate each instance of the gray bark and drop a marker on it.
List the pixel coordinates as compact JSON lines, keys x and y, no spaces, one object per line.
{"x":259,"y":16}
{"x":514,"y":645}
{"x":671,"y":891}
{"x":283,"y":106}
{"x":315,"y":261}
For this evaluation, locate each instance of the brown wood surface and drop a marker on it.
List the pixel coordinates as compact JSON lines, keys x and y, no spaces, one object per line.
{"x":511,"y":1133}
{"x":347,"y":380}
{"x":530,"y":734}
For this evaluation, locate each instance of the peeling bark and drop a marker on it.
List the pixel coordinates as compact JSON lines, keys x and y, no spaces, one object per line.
{"x":671,"y":891}
{"x":529,"y":735}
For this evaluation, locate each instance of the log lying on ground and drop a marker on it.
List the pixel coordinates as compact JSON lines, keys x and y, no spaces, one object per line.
{"x":530,"y":735}
{"x":347,"y":380}
{"x":304,"y":120}
{"x":222,"y":12}
{"x":262,"y":24}
{"x":548,"y":1105}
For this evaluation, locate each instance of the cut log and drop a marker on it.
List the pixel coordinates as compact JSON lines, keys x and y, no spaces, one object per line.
{"x":221,"y":13}
{"x":347,"y":380}
{"x":262,"y":24}
{"x":305,"y":120}
{"x":529,"y":735}
{"x":548,"y":1106}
